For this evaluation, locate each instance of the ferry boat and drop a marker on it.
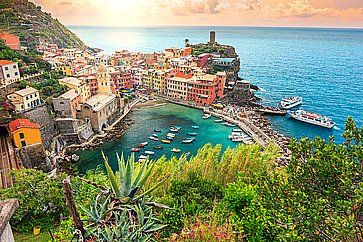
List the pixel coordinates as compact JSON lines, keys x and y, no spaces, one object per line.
{"x":153,"y":138}
{"x":158,"y":147}
{"x":312,"y":118}
{"x":195,"y":127}
{"x":206,"y":116}
{"x":165,"y":141}
{"x":175,"y":150}
{"x":290,"y":102}
{"x":149,"y":152}
{"x":192,"y":134}
{"x":135,"y":149}
{"x":143,"y":144}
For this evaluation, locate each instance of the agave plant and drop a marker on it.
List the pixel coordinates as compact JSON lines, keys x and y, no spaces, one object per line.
{"x":130,"y":179}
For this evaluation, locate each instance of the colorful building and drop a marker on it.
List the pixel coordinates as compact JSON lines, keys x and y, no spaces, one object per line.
{"x":80,"y":86}
{"x":25,"y":99}
{"x":66,"y":104}
{"x":24,"y":133}
{"x":11,"y":41}
{"x":9,"y":72}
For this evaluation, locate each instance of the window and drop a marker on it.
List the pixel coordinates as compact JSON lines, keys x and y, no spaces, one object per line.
{"x":23,"y":143}
{"x":6,"y":68}
{"x":7,"y":75}
{"x":16,"y":73}
{"x":14,"y":66}
{"x":21,"y":135}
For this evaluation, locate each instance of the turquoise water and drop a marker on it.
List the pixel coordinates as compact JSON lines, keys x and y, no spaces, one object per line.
{"x":324,"y":66}
{"x":162,"y":117}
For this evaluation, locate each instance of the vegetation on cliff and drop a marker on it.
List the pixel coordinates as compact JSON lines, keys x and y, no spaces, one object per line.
{"x":238,"y":196}
{"x":26,"y":20}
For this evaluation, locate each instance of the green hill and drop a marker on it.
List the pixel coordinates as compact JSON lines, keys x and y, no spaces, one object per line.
{"x":26,"y":20}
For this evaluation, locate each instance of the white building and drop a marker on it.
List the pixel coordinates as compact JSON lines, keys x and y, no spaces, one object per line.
{"x":9,"y":72}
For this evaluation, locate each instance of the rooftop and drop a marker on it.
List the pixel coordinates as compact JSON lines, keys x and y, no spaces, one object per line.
{"x":26,"y":91}
{"x":100,"y":101}
{"x":71,"y":94}
{"x":72,"y":81}
{"x":21,"y":123}
{"x":5,"y":62}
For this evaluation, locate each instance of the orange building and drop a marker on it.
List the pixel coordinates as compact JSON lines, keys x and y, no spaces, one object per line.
{"x":11,"y":41}
{"x":24,"y":132}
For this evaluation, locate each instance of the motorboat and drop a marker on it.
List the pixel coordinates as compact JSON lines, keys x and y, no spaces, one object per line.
{"x":195,"y":127}
{"x":149,"y":152}
{"x":165,"y":141}
{"x":155,"y":135}
{"x":188,"y":141}
{"x":312,"y":118}
{"x":173,"y":129}
{"x":192,"y":134}
{"x":135,"y":149}
{"x":175,"y":150}
{"x":206,"y":116}
{"x":218,"y":120}
{"x":158,"y":147}
{"x":158,"y":130}
{"x":153,"y":138}
{"x":237,"y":130}
{"x":143,"y":144}
{"x":171,"y":135}
{"x":290,"y":102}
{"x":230,"y":125}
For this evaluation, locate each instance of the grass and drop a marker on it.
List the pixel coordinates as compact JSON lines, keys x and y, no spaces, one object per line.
{"x":43,"y":237}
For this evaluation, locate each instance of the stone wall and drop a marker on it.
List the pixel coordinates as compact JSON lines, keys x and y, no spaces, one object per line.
{"x":41,"y":116}
{"x":34,"y":156}
{"x":73,"y":131}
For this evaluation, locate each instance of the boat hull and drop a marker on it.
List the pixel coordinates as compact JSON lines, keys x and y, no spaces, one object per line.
{"x":309,"y":121}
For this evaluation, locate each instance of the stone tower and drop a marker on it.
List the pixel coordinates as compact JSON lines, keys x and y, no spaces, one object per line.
{"x":212,"y":38}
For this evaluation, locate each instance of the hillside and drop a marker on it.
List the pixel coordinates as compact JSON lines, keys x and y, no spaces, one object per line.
{"x":31,"y":24}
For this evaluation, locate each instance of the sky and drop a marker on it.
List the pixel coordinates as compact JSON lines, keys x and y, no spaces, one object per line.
{"x":314,"y":13}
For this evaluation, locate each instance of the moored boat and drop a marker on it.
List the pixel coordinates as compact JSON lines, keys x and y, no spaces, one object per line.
{"x":173,"y":129}
{"x":192,"y":134}
{"x":169,"y":138}
{"x":165,"y":141}
{"x":290,"y":102}
{"x":175,"y":150}
{"x":157,"y":130}
{"x":153,"y":138}
{"x":158,"y":147}
{"x":188,"y":141}
{"x":237,"y":130}
{"x":171,"y":135}
{"x":312,"y":118}
{"x":195,"y":127}
{"x":218,"y":120}
{"x":230,"y":125}
{"x":135,"y":149}
{"x":143,"y":144}
{"x":155,"y":135}
{"x":149,"y":152}
{"x":206,"y":116}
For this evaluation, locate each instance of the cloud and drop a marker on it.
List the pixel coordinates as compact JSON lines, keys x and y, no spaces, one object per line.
{"x":249,"y":5}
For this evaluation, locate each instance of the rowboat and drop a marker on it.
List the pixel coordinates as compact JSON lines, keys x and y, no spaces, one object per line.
{"x":149,"y":152}
{"x":165,"y":141}
{"x":135,"y":149}
{"x":175,"y":150}
{"x":153,"y":138}
{"x":143,"y":144}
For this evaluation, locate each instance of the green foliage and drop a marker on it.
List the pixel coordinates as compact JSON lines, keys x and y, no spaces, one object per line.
{"x":41,"y":201}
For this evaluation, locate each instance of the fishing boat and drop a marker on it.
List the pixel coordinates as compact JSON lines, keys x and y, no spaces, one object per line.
{"x":312,"y":118}
{"x":192,"y":134}
{"x":290,"y":102}
{"x":158,"y":147}
{"x":195,"y":127}
{"x":175,"y":150}
{"x":153,"y":138}
{"x":165,"y":141}
{"x":143,"y":144}
{"x":135,"y":149}
{"x":149,"y":152}
{"x":206,"y":116}
{"x":158,"y":130}
{"x":188,"y":141}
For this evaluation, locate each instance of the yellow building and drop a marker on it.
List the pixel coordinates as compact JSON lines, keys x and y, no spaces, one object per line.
{"x":81,"y":87}
{"x":24,"y":133}
{"x":66,"y":70}
{"x":105,"y":83}
{"x":25,"y":99}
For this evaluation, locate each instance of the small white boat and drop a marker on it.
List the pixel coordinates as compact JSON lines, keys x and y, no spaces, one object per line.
{"x":195,"y":127}
{"x":218,"y":120}
{"x":155,"y":135}
{"x":230,"y":125}
{"x":237,"y":130}
{"x":171,"y":135}
{"x":175,"y":150}
{"x":153,"y":138}
{"x":206,"y":116}
{"x":173,"y":129}
{"x":188,"y":141}
{"x":149,"y":152}
{"x":290,"y":102}
{"x":192,"y":134}
{"x":142,"y":157}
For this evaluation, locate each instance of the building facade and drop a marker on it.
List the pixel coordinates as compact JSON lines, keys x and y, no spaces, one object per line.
{"x":66,"y":104}
{"x":24,"y":133}
{"x":25,"y":99}
{"x":9,"y":72}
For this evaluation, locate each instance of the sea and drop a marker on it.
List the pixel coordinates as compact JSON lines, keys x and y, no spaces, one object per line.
{"x":322,"y":65}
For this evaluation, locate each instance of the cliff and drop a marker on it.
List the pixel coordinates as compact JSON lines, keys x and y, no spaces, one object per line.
{"x":26,"y":20}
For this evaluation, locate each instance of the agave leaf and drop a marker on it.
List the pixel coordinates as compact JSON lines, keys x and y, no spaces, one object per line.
{"x":111,"y":177}
{"x":157,"y":185}
{"x":155,"y":228}
{"x":126,"y":186}
{"x":88,"y":212}
{"x":146,"y":176}
{"x":140,"y":174}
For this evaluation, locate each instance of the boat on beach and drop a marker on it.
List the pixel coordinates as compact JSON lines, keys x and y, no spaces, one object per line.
{"x":165,"y":141}
{"x":149,"y":152}
{"x":195,"y":127}
{"x":153,"y":138}
{"x":290,"y":102}
{"x":175,"y":150}
{"x":158,"y":147}
{"x":312,"y":118}
{"x":206,"y":116}
{"x":143,"y":144}
{"x":192,"y":134}
{"x":135,"y":149}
